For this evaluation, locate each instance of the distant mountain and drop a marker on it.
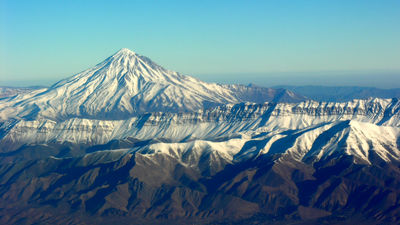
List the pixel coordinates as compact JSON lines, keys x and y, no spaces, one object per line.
{"x":342,"y":94}
{"x":128,"y":84}
{"x":6,"y":91}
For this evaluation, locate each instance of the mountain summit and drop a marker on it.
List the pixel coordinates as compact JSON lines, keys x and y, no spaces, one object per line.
{"x":125,"y":51}
{"x":126,"y":65}
{"x":127,"y":84}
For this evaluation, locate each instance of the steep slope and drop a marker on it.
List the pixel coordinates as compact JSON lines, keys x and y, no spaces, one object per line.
{"x":128,"y":84}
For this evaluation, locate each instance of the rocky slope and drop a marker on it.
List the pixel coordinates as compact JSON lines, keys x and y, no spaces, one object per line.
{"x":333,"y":173}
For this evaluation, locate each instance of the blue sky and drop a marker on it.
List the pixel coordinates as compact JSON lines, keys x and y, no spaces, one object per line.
{"x":269,"y":42}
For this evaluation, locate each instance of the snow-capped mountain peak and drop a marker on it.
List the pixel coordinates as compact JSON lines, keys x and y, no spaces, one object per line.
{"x":126,"y":63}
{"x":125,"y":51}
{"x":127,"y":84}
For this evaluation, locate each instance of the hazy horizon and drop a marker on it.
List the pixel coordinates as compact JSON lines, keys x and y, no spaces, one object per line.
{"x":379,"y":79}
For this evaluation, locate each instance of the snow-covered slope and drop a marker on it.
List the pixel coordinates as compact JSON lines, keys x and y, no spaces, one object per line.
{"x":301,"y":124}
{"x":364,"y":141}
{"x":128,"y":84}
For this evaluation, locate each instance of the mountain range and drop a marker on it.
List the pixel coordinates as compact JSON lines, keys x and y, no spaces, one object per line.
{"x":9,"y":91}
{"x":342,"y":94}
{"x":130,"y":142}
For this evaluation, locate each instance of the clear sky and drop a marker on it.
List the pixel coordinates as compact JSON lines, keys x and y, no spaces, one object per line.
{"x":272,"y":42}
